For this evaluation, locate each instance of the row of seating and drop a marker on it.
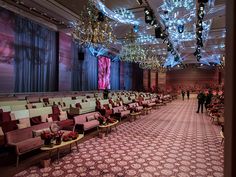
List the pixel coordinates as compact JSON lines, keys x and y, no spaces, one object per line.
{"x":20,"y":130}
{"x":215,"y":110}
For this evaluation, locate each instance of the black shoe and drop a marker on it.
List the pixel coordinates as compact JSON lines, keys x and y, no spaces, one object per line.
{"x":197,"y":112}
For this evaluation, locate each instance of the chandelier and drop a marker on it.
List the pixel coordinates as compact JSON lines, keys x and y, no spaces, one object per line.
{"x":93,"y":28}
{"x":152,"y":62}
{"x":132,"y":53}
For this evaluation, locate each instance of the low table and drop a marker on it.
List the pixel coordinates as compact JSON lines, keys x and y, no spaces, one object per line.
{"x":134,"y":115}
{"x":107,"y":127}
{"x":63,"y":144}
{"x":147,"y":110}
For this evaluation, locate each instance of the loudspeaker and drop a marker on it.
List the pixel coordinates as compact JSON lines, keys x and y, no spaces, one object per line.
{"x":81,"y":56}
{"x":158,"y":32}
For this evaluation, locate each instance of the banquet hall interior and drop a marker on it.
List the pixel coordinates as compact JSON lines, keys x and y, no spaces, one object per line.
{"x":117,"y":88}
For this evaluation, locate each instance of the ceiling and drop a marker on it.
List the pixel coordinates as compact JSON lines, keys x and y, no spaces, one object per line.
{"x":58,"y":13}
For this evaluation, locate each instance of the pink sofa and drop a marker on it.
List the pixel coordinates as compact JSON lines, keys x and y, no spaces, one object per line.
{"x":121,"y":112}
{"x":86,"y":122}
{"x":148,"y":103}
{"x":135,"y":107}
{"x":23,"y":141}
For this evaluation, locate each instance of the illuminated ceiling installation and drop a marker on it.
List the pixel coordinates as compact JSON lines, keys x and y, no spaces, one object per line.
{"x":179,"y":21}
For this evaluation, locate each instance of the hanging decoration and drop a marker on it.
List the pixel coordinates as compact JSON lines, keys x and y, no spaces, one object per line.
{"x":93,"y":28}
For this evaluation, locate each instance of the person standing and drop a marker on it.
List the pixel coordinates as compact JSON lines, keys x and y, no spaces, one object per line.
{"x":183,"y":94}
{"x":188,"y":94}
{"x":201,"y":99}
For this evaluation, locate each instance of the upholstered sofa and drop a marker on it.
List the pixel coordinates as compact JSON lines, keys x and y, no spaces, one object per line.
{"x":120,"y":112}
{"x":135,"y":107}
{"x":86,"y":122}
{"x":87,"y":107}
{"x":148,"y":103}
{"x":24,"y":141}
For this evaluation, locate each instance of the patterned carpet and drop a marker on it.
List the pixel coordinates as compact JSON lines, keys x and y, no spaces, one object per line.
{"x":171,"y":141}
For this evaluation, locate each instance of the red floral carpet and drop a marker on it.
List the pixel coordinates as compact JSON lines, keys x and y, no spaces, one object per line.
{"x":171,"y":141}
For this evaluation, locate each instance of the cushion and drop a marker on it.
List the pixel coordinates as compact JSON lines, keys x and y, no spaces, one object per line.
{"x":29,"y":106}
{"x":29,"y":144}
{"x":54,"y":127}
{"x":91,"y":124}
{"x":25,"y":121}
{"x":49,"y":119}
{"x":62,"y":117}
{"x":44,"y":118}
{"x":1,"y":132}
{"x":89,"y":118}
{"x":22,"y":125}
{"x":37,"y":133}
{"x":55,"y":117}
{"x":120,"y":109}
{"x":63,"y":112}
{"x":55,"y":110}
{"x":78,"y":105}
{"x":36,"y":120}
{"x":13,"y":117}
{"x":96,"y":115}
{"x":6,"y":117}
{"x":106,"y":106}
{"x":9,"y":126}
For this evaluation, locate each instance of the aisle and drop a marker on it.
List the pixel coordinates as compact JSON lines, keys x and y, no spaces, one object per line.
{"x":171,"y":141}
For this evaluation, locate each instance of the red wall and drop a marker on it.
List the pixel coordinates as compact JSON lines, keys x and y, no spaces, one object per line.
{"x":192,"y":78}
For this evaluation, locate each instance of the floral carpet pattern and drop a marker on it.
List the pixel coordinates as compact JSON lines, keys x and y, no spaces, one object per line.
{"x":171,"y":141}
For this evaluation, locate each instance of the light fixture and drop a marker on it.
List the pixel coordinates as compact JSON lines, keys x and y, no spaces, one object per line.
{"x":140,"y":2}
{"x":93,"y":28}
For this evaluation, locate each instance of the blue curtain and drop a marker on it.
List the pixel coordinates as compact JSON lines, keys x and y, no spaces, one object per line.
{"x":115,"y":75}
{"x":76,"y":73}
{"x":85,"y":71}
{"x":36,"y":65}
{"x":128,"y":70}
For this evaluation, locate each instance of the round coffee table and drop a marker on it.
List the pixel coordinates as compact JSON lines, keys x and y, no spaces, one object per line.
{"x":108,"y":127}
{"x":134,"y":115}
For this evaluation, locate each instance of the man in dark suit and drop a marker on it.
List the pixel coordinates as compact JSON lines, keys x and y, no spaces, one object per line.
{"x":201,"y":99}
{"x":183,"y":94}
{"x":188,"y":94}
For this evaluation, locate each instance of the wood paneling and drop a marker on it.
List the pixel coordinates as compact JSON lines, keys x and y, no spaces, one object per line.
{"x":192,"y":78}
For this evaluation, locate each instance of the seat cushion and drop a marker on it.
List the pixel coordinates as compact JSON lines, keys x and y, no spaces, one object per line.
{"x":124,"y":113}
{"x":91,"y":124}
{"x":29,"y":144}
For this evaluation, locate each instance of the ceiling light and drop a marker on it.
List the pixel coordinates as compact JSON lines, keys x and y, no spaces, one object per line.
{"x":140,"y":2}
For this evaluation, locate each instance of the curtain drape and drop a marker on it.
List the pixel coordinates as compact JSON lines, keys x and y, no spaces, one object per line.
{"x":35,"y":57}
{"x":128,"y":69}
{"x":84,"y":71}
{"x":115,"y":75}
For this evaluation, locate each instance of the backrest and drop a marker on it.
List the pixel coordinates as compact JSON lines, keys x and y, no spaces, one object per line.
{"x":38,"y":105}
{"x":80,"y":119}
{"x":40,"y":111}
{"x":10,"y":103}
{"x":102,"y":102}
{"x":66,"y":99}
{"x":116,"y":109}
{"x":85,"y":105}
{"x":24,"y":134}
{"x":6,"y":108}
{"x":18,"y":107}
{"x":21,"y":114}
